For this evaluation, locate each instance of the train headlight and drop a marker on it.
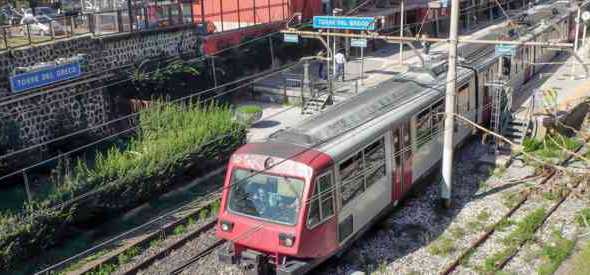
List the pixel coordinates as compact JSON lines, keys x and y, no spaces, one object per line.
{"x":286,"y":240}
{"x":226,"y":226}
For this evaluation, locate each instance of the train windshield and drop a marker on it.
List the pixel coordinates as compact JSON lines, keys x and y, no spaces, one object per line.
{"x":264,"y":196}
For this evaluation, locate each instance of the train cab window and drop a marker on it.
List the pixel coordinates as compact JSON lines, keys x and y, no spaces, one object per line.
{"x":322,"y":201}
{"x":351,"y":178}
{"x":423,"y":127}
{"x":375,"y":162}
{"x":265,"y":196}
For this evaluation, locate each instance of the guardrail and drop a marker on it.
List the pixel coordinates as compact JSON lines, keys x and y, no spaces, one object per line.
{"x":42,"y":29}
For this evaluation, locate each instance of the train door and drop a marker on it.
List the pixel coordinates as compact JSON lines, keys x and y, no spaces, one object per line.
{"x":402,"y":161}
{"x":364,"y":186}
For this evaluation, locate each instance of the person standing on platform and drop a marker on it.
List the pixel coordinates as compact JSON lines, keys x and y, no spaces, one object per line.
{"x":340,"y":63}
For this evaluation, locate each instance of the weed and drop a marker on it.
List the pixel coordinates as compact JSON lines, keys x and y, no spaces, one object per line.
{"x":580,"y":264}
{"x":483,"y":185}
{"x":553,"y":255}
{"x":203,"y":214}
{"x":442,"y":247}
{"x":583,"y":217}
{"x":457,"y":232}
{"x":191,"y":221}
{"x":104,"y":269}
{"x":475,"y":226}
{"x":483,"y":216}
{"x":511,"y":199}
{"x":382,"y":267}
{"x":525,"y":230}
{"x":155,"y":242}
{"x":179,"y":230}
{"x":499,"y":171}
{"x":215,"y":207}
{"x":503,"y":224}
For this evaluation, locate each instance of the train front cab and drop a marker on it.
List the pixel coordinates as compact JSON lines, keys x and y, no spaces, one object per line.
{"x":271,"y":215}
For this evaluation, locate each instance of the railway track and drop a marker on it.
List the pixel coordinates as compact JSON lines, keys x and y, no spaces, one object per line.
{"x":207,"y":228}
{"x":489,"y":232}
{"x":107,"y":255}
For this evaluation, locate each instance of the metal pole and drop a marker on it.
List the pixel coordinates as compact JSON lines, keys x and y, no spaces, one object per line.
{"x":214,"y":71}
{"x":221,"y":14}
{"x":362,"y":65}
{"x":203,"y":15}
{"x":584,"y":41}
{"x":401,"y":33}
{"x":239,"y":18}
{"x":576,"y":41}
{"x":272,"y":52}
{"x":27,"y":188}
{"x":447,"y":165}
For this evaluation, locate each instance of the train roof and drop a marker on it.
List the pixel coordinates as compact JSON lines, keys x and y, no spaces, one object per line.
{"x":376,"y":101}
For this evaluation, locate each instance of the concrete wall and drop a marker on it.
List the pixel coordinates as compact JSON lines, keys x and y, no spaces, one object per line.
{"x":83,"y":102}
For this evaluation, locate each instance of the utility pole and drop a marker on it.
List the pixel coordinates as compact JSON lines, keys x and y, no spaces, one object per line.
{"x":447,"y":165}
{"x":577,"y":36}
{"x":401,"y":33}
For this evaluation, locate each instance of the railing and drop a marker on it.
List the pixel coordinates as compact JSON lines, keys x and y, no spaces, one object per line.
{"x":20,"y":35}
{"x":98,"y":24}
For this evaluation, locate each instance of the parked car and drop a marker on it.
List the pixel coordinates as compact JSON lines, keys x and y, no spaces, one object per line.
{"x":11,"y":16}
{"x":41,"y":25}
{"x":50,"y":12}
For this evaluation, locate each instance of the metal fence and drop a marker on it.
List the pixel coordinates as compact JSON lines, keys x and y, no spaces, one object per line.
{"x":212,"y":15}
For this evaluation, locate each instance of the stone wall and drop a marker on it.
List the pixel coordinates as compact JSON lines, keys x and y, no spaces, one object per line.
{"x":44,"y":114}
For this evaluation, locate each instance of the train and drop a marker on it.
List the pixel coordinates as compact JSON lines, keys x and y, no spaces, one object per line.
{"x":308,"y":192}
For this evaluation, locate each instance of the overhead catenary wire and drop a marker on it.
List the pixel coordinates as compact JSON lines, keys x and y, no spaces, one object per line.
{"x":342,"y":133}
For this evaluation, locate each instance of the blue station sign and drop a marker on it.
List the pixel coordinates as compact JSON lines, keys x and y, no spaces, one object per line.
{"x":291,"y":38}
{"x":358,"y":42}
{"x":344,"y":23}
{"x":43,"y":77}
{"x":507,"y":50}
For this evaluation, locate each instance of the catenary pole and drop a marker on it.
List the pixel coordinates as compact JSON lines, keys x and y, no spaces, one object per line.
{"x":401,"y":33}
{"x":447,"y":165}
{"x":577,"y":36}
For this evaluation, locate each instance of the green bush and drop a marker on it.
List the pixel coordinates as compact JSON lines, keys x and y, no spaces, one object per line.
{"x":249,"y":109}
{"x":173,"y":140}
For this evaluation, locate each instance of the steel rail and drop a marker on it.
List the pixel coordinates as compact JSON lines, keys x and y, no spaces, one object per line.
{"x":485,"y":236}
{"x":173,"y":246}
{"x":199,"y":256}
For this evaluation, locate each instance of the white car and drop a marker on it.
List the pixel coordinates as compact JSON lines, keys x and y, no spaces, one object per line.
{"x":41,"y":25}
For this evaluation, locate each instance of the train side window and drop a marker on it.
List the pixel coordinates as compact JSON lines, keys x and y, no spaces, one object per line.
{"x":351,"y":178}
{"x":423,"y":128}
{"x":463,"y":105}
{"x":322,"y":201}
{"x":438,"y":117}
{"x":374,"y":162}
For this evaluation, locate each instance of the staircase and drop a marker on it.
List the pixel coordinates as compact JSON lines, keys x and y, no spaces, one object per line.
{"x":516,"y":130}
{"x":315,"y":104}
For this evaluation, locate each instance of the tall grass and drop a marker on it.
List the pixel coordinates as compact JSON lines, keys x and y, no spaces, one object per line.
{"x":172,"y":140}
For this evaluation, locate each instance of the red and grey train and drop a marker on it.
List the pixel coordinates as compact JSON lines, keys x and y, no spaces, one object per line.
{"x":308,"y":192}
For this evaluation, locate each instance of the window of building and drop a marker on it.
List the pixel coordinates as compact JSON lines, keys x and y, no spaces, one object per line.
{"x":321,"y":205}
